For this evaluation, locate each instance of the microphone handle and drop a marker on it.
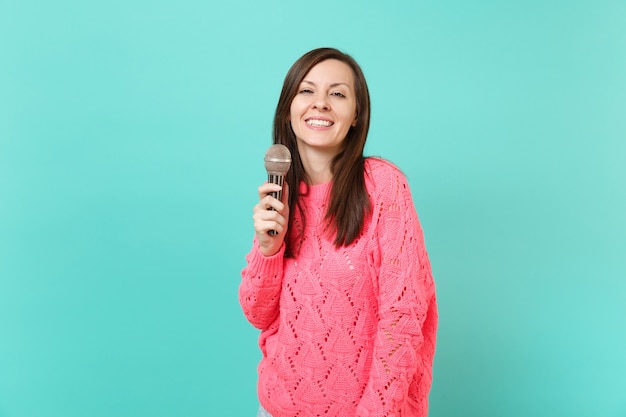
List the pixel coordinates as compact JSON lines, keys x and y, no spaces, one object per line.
{"x":276,"y":179}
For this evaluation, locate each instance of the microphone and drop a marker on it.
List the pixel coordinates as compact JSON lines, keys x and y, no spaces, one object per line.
{"x":277,"y":163}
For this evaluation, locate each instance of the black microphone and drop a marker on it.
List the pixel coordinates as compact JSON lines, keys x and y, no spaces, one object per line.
{"x":277,"y":163}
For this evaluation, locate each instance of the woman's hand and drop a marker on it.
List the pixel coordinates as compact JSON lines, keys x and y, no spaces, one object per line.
{"x":271,"y":214}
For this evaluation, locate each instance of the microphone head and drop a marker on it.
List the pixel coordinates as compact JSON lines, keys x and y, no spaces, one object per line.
{"x":277,"y":160}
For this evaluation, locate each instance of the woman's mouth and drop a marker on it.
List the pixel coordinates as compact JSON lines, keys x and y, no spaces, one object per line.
{"x":319,"y":122}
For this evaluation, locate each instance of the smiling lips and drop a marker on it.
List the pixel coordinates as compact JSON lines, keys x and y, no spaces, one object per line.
{"x":319,"y":122}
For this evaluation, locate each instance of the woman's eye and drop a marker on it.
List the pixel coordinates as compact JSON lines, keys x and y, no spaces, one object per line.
{"x":338,"y":94}
{"x":306,"y":91}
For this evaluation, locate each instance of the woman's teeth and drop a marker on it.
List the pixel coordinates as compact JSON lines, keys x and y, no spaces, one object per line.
{"x":319,"y":123}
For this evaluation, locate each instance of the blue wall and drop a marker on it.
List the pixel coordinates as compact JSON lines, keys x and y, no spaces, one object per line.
{"x":131,"y":143}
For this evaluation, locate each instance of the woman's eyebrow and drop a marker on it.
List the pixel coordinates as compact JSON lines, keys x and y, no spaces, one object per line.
{"x":332,"y":85}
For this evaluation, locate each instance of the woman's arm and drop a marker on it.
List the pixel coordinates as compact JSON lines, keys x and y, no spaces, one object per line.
{"x":259,"y":291}
{"x":401,"y":372}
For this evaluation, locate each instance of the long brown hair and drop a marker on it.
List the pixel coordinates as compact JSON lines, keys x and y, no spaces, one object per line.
{"x":349,"y":201}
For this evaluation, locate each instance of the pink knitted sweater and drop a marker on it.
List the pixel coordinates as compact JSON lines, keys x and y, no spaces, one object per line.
{"x":349,"y":331}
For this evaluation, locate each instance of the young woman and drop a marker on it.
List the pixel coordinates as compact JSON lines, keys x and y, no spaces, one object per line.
{"x":343,"y":293}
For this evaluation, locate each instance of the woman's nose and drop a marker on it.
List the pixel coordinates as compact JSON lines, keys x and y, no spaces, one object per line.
{"x":321,"y":102}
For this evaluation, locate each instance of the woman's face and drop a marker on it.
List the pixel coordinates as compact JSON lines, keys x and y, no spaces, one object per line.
{"x":324,"y":107}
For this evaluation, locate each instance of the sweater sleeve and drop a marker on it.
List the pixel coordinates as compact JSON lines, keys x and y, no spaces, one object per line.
{"x":259,"y":291}
{"x":404,"y":347}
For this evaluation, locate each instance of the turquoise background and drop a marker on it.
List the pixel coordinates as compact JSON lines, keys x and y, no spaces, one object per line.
{"x":131,"y":143}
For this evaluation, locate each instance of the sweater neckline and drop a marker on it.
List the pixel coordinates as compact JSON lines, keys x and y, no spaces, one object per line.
{"x":317,"y":192}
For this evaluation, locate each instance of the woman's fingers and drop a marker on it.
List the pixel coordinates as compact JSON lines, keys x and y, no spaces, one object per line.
{"x":267,"y":218}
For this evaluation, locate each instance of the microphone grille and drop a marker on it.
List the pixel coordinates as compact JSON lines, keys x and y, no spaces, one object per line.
{"x":277,"y":159}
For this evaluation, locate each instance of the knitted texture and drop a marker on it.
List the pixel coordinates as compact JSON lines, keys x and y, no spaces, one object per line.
{"x":349,"y":331}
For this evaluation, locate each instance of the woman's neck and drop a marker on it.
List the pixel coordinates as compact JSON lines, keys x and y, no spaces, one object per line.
{"x":317,"y":166}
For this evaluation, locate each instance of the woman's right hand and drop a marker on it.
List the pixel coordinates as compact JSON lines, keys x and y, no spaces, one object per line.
{"x":271,"y":214}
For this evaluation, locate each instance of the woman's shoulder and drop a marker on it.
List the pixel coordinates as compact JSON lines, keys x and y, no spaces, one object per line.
{"x":381,"y":172}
